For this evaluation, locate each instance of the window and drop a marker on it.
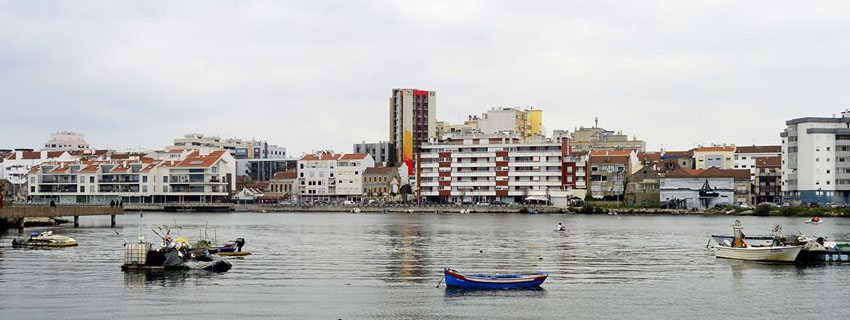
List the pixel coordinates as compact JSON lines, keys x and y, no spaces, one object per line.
{"x":165,"y":180}
{"x":91,"y":179}
{"x":82,"y":188}
{"x":145,"y":179}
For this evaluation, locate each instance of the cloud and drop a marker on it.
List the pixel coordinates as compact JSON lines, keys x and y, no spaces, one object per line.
{"x":317,"y":75}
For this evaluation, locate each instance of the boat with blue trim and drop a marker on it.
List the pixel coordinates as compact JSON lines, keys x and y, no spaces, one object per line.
{"x":493,"y":281}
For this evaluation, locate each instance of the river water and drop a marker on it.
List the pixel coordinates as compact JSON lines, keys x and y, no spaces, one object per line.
{"x":387,"y":266}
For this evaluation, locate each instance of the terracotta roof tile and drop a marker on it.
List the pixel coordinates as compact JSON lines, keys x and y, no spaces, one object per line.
{"x":353,"y":156}
{"x":379,"y":170}
{"x":759,"y":149}
{"x":766,"y":162}
{"x":715,"y":149}
{"x":285,"y":175}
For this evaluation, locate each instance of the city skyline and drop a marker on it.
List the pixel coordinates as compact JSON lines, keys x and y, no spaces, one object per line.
{"x":138,"y":77}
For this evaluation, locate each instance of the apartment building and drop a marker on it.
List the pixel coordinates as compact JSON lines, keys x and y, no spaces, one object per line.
{"x":716,"y":156}
{"x":413,"y":122}
{"x":238,"y":148}
{"x":66,"y":140}
{"x":328,"y":175}
{"x":527,"y":123}
{"x":489,"y":167}
{"x":745,"y":157}
{"x":196,"y":177}
{"x":816,"y":160}
{"x":767,"y":186}
{"x":608,"y":171}
{"x":383,"y":152}
{"x":599,"y":139}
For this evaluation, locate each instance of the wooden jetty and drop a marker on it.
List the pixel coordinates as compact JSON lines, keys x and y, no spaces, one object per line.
{"x":17,"y":213}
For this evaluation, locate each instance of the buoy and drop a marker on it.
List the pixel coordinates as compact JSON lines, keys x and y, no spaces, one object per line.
{"x":480,"y":251}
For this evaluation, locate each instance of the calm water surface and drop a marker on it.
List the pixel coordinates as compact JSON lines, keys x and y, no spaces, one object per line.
{"x":386,"y":266}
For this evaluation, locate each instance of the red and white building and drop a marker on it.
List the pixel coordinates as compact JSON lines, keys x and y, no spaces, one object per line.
{"x":489,"y":167}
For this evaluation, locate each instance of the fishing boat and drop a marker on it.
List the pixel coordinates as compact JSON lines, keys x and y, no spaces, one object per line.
{"x":739,"y":249}
{"x":493,"y":281}
{"x":44,"y":240}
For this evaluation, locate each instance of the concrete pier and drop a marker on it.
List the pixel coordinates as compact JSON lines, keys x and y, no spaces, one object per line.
{"x":17,"y":213}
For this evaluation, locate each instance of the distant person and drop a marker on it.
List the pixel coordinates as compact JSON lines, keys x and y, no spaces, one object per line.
{"x":560,"y":227}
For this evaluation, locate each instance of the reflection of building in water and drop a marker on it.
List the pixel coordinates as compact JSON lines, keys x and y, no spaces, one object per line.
{"x":407,"y":255}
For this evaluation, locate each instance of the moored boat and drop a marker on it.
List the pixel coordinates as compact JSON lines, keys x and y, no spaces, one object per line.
{"x":232,"y":248}
{"x":145,"y":256}
{"x":44,"y":240}
{"x":814,"y":220}
{"x":768,"y":254}
{"x":493,"y":281}
{"x":775,"y":251}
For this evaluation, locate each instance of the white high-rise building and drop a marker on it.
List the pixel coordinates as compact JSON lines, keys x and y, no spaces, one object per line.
{"x":816,"y":160}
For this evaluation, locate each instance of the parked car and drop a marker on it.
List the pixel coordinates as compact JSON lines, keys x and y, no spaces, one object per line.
{"x":348,"y":203}
{"x":482,"y":203}
{"x":498,"y":203}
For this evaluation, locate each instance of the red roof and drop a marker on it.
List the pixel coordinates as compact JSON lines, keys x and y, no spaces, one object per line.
{"x":766,"y":162}
{"x":321,"y":156}
{"x":759,"y":149}
{"x":284,"y":175}
{"x":709,"y":173}
{"x":621,"y":152}
{"x":196,"y":160}
{"x":714,"y":149}
{"x":610,"y":159}
{"x":353,"y":156}
{"x":379,"y":170}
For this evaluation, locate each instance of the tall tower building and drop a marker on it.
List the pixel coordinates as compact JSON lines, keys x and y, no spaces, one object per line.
{"x":413,"y":121}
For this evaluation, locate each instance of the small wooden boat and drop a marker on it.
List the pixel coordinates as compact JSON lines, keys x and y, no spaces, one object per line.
{"x":493,"y":281}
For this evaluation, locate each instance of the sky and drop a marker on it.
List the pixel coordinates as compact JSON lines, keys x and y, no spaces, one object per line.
{"x":315,"y":75}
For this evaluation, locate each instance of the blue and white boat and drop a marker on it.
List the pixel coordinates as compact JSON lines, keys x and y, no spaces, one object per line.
{"x":494,"y":281}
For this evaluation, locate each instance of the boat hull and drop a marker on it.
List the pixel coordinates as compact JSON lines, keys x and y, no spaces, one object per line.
{"x":457,"y":280}
{"x":766,"y":254}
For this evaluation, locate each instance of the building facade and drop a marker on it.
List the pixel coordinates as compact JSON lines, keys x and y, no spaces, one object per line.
{"x":198,"y":177}
{"x":238,"y":148}
{"x":608,"y":171}
{"x":717,"y":156}
{"x":495,"y":167}
{"x":526,"y":123}
{"x":767,"y":186}
{"x":413,"y":122}
{"x":697,"y":188}
{"x":816,"y":160}
{"x":66,"y":140}
{"x":381,"y":182}
{"x":383,"y":152}
{"x":598,"y":139}
{"x":283,"y":184}
{"x":331,"y":176}
{"x":745,"y":157}
{"x":643,"y":188}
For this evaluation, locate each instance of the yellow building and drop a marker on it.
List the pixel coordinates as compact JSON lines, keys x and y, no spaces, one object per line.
{"x":718,"y":156}
{"x":534,"y":122}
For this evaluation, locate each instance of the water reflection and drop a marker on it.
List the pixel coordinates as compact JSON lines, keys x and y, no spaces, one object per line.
{"x":171,"y":278}
{"x":534,"y":292}
{"x":407,"y":257}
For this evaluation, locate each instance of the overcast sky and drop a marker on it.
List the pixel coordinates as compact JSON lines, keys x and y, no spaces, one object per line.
{"x":311,"y":75}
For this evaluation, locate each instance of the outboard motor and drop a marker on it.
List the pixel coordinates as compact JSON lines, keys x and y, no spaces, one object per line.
{"x":239,"y":243}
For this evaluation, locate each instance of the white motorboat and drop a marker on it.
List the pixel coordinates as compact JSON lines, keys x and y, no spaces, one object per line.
{"x":775,"y":251}
{"x":769,"y":254}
